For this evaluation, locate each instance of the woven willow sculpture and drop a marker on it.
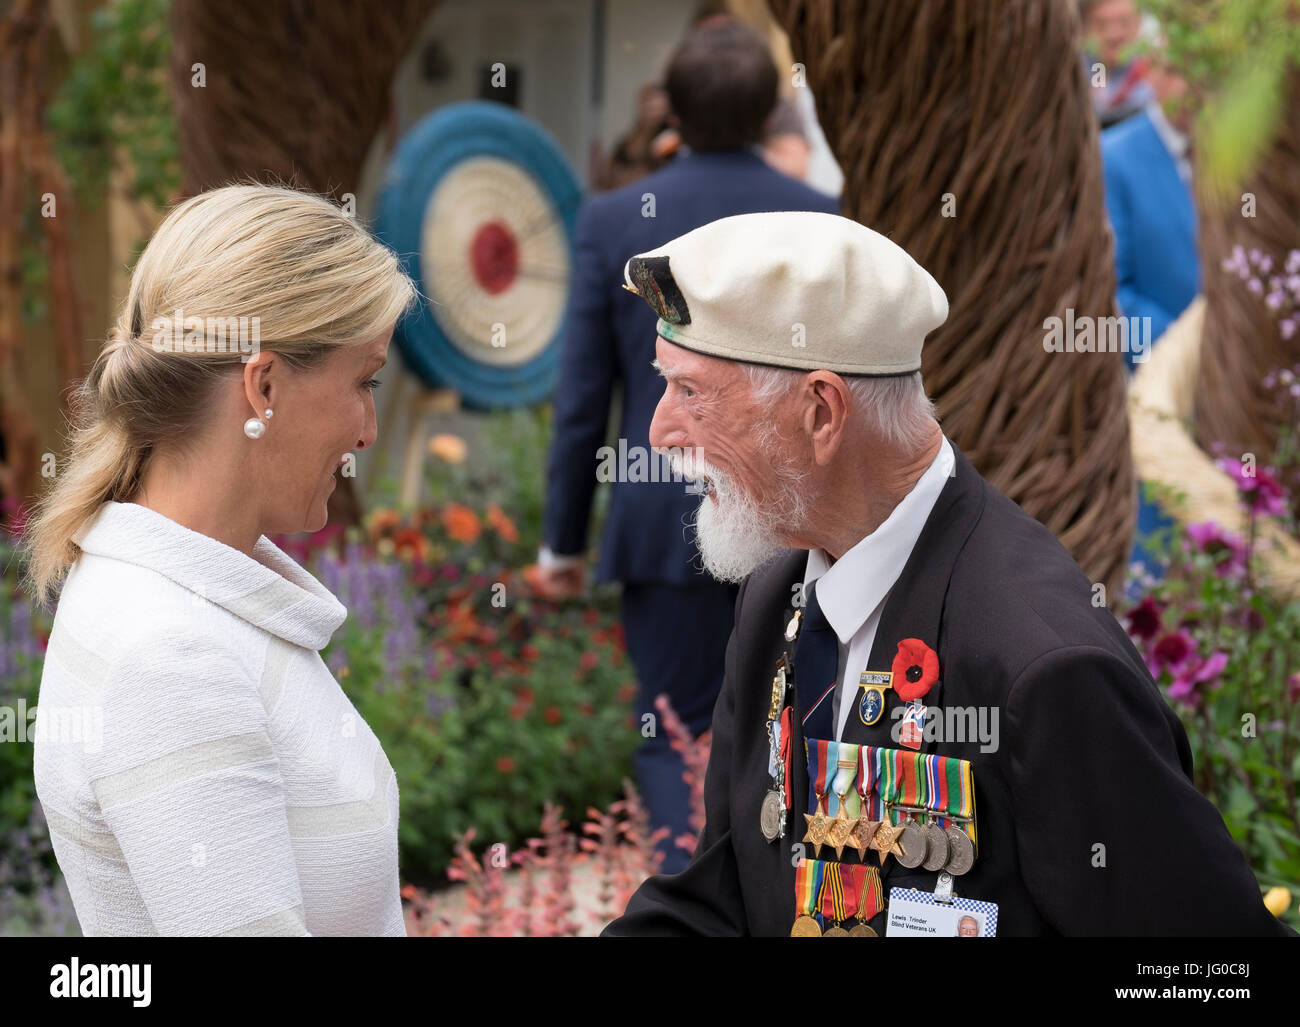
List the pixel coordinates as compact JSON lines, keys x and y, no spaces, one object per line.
{"x":1241,"y":341}
{"x":293,"y":91}
{"x":984,"y":103}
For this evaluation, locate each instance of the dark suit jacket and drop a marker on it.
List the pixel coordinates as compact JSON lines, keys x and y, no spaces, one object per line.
{"x":610,"y":338}
{"x":1089,"y":752}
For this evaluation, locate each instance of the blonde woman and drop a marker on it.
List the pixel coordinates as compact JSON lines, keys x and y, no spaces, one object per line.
{"x":226,"y":785}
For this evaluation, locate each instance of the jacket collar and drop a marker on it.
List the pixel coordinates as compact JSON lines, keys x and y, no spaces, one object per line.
{"x":269,"y":591}
{"x":914,"y":608}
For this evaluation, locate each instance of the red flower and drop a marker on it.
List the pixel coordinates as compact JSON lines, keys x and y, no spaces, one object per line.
{"x":528,"y":652}
{"x":1144,"y":619}
{"x":553,"y":715}
{"x":587,"y":661}
{"x":505,"y":764}
{"x":915,"y":669}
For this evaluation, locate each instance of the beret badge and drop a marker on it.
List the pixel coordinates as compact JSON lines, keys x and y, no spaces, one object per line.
{"x":656,"y":285}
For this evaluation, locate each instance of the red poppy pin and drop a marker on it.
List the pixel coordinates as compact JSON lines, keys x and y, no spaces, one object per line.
{"x":915,"y":669}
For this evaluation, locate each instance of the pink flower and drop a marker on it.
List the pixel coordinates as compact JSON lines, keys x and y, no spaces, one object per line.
{"x":1183,"y":687}
{"x":1174,"y":651}
{"x":1261,"y":492}
{"x":1228,"y":550}
{"x":1144,"y":619}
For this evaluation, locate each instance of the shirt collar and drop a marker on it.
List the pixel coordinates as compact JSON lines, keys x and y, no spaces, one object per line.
{"x":849,"y":590}
{"x":269,"y":590}
{"x":1175,"y":142}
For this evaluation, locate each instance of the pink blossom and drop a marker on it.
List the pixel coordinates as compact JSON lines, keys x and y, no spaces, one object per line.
{"x":1228,"y":549}
{"x":1183,"y":687}
{"x":1175,"y":650}
{"x":1262,"y":492}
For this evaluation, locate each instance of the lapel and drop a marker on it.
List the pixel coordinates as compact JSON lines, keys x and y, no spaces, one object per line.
{"x":915,"y":605}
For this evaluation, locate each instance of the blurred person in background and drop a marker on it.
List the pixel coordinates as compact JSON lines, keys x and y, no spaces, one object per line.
{"x":722,"y":85}
{"x":1110,"y":29}
{"x":649,"y":144}
{"x":1148,"y":174}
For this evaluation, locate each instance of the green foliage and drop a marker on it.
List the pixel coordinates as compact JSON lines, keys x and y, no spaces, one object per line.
{"x":528,"y":700}
{"x":1235,"y":55}
{"x":116,"y":95}
{"x":1243,"y":720}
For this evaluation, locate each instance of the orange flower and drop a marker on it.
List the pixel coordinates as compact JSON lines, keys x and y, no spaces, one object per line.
{"x":502,"y":524}
{"x":410,"y":541}
{"x":461,"y":523}
{"x":383,"y":523}
{"x":505,"y":764}
{"x":450,"y":448}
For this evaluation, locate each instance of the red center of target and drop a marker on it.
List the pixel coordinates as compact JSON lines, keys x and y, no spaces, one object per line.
{"x":494,"y":257}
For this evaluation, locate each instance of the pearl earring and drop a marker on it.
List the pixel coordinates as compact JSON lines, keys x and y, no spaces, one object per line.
{"x":254,"y":428}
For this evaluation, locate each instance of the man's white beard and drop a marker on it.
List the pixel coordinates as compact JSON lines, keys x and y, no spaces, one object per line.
{"x":734,"y":534}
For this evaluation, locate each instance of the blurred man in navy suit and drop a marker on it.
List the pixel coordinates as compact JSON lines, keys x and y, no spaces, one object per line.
{"x":722,"y":86}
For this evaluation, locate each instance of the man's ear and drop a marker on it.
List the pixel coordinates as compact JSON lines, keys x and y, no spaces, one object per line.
{"x":826,"y":413}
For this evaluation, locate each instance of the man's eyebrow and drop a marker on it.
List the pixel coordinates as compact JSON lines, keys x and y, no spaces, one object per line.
{"x":670,"y":373}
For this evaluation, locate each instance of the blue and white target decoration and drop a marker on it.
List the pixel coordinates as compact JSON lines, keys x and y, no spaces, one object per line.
{"x":480,"y":204}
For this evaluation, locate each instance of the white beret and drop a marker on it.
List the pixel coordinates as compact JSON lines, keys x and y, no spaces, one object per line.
{"x":797,"y":289}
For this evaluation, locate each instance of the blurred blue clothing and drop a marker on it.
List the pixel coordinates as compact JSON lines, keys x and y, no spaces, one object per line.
{"x":1150,"y":206}
{"x":1157,"y":268}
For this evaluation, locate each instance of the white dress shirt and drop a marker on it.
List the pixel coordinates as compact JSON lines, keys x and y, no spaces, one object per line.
{"x":852,"y":590}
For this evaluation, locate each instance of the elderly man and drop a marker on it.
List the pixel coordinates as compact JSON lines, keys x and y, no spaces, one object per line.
{"x":890,"y":593}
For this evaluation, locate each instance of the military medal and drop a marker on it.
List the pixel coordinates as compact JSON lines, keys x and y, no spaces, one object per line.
{"x":867,"y":892}
{"x":912,"y":841}
{"x":818,"y":826}
{"x":885,"y":841}
{"x":872,"y":704}
{"x":807,"y":892}
{"x":772,"y":814}
{"x":962,"y":855}
{"x":936,"y":846}
{"x":846,"y":767}
{"x":834,"y":900}
{"x":864,"y":827}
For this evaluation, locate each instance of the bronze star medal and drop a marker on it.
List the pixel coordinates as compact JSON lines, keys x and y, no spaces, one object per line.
{"x":840,"y":831}
{"x":886,"y":841}
{"x":861,"y":835}
{"x":818,"y":826}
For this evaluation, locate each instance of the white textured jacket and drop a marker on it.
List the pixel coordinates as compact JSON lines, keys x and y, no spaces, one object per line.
{"x":200,"y":769}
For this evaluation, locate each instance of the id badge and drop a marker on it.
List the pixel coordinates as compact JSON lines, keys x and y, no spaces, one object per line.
{"x":916,"y":914}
